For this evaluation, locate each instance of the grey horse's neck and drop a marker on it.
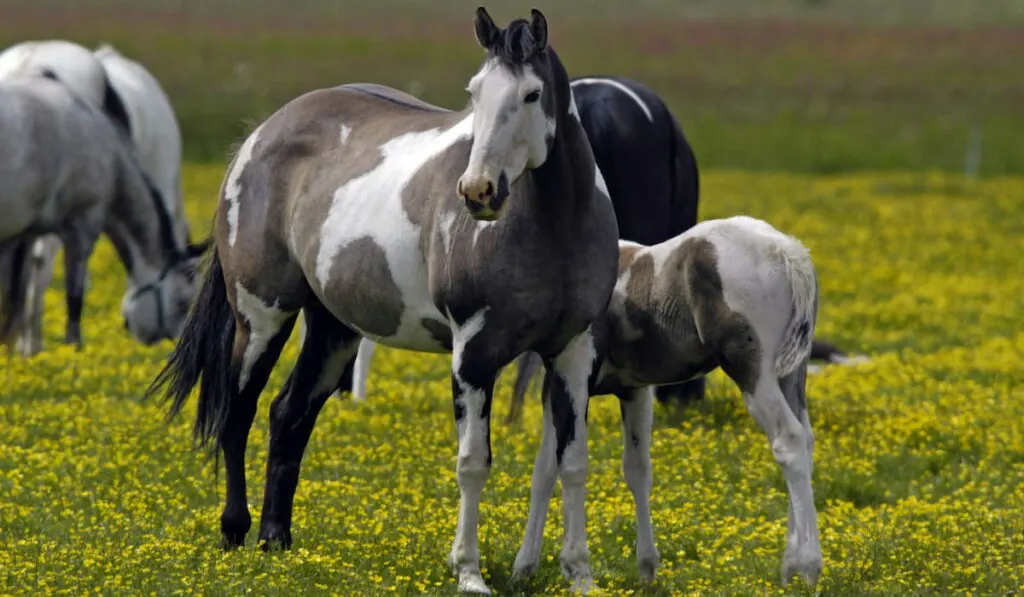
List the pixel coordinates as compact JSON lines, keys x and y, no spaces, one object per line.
{"x":139,"y":224}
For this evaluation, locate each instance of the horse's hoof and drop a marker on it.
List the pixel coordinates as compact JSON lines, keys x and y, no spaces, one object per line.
{"x":523,"y":570}
{"x":274,"y":539}
{"x":583,"y":586}
{"x":807,"y":563}
{"x":232,"y":541}
{"x":470,"y":581}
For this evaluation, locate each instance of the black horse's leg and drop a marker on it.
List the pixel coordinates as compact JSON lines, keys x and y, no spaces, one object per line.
{"x":327,"y":348}
{"x":683,"y":393}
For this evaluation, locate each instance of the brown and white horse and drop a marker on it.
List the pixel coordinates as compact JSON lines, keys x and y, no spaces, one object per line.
{"x":481,"y":232}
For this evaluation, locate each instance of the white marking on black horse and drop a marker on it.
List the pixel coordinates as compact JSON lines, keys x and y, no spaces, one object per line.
{"x":232,"y":184}
{"x":615,"y":84}
{"x":418,"y":229}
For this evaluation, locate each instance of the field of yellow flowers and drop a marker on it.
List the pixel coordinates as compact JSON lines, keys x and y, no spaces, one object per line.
{"x":919,"y":456}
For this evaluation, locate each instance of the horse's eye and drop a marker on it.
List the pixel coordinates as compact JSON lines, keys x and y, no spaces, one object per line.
{"x":532,"y":97}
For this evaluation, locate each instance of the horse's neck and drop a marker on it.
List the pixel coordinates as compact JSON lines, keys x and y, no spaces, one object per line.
{"x":565,"y":182}
{"x":135,"y":227}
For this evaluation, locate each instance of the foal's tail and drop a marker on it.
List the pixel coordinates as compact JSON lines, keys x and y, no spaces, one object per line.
{"x":14,"y":259}
{"x":795,"y":347}
{"x":203,"y":352}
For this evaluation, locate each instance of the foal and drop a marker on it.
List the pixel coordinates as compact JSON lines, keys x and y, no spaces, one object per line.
{"x":478,"y":232}
{"x":733,"y":293}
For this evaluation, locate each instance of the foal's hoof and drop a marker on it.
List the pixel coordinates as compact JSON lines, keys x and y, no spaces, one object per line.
{"x":470,"y":581}
{"x":274,"y":539}
{"x":805,"y":563}
{"x":525,"y":566}
{"x":648,"y":565}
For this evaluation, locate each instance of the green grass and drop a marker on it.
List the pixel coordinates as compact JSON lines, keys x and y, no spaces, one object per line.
{"x":790,"y":87}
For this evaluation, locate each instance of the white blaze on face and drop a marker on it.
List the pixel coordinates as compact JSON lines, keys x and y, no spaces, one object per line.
{"x":510,"y":134}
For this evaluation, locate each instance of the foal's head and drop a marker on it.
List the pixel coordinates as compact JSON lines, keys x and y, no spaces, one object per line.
{"x":514,"y":95}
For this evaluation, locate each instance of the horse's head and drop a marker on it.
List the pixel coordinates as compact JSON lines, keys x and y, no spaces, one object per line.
{"x":157,"y":309}
{"x":515,"y":96}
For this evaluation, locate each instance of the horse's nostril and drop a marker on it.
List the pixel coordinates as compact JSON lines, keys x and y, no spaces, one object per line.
{"x":490,"y":189}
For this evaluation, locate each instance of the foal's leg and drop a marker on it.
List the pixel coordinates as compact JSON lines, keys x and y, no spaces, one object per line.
{"x":791,"y":443}
{"x":78,"y":246}
{"x":528,"y":365}
{"x":542,"y":485}
{"x":637,"y":419}
{"x":326,"y":349}
{"x":803,"y":548}
{"x":362,"y":370}
{"x":474,"y":372}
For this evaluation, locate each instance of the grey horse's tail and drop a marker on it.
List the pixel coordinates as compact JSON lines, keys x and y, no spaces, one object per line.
{"x":14,"y":258}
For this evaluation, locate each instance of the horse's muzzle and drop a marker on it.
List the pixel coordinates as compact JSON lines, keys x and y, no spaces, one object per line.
{"x":483,"y":200}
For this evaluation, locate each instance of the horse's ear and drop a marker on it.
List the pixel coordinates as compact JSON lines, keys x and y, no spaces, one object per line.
{"x":486,"y":30}
{"x":539,"y":30}
{"x":193,"y":250}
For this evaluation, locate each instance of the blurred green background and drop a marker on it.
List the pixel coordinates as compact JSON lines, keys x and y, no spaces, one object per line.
{"x":800,"y":85}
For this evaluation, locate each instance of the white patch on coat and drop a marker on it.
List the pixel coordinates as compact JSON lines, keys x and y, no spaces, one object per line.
{"x":371,"y":205}
{"x":264,"y":321}
{"x":611,"y":83}
{"x":345,"y":132}
{"x":574,"y":110}
{"x":232,"y":188}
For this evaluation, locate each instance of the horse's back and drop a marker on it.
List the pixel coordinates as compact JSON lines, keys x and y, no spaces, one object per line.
{"x":70,"y":62}
{"x":631,"y":133}
{"x":154,"y":126}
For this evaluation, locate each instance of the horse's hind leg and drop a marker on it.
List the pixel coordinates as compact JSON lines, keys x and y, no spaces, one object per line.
{"x":327,"y":348}
{"x":790,"y":437}
{"x":803,"y":553}
{"x":79,"y":242}
{"x":43,"y":255}
{"x":259,"y":337}
{"x":362,"y":368}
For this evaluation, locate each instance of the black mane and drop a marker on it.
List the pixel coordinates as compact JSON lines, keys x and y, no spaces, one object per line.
{"x":514,"y":45}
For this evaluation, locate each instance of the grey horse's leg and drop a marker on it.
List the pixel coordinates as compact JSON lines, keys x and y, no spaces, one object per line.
{"x":43,"y":255}
{"x":79,"y":243}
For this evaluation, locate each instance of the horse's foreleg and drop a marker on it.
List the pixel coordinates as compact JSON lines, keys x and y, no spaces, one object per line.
{"x":327,"y":348}
{"x":78,"y":246}
{"x":637,"y":419}
{"x":569,"y":398}
{"x":472,"y":391}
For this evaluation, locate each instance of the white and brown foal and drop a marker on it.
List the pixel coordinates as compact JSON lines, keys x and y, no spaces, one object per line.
{"x":479,"y":232}
{"x":733,"y":293}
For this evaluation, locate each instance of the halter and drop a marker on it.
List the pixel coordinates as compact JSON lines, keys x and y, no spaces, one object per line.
{"x":156,"y":287}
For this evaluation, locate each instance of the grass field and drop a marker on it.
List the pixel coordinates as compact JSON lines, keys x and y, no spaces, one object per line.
{"x":820,"y":86}
{"x":919,"y":455}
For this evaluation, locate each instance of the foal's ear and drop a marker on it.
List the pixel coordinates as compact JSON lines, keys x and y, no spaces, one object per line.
{"x":539,"y":30}
{"x":486,"y":30}
{"x":193,"y":250}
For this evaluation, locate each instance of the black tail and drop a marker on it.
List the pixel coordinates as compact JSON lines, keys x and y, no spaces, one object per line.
{"x":14,"y":257}
{"x":204,"y":351}
{"x":822,"y":350}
